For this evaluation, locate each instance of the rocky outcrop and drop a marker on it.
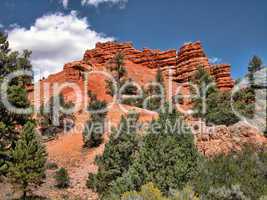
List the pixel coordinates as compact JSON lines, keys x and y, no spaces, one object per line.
{"x":222,"y":75}
{"x":104,"y":52}
{"x":223,"y":139}
{"x":74,"y":71}
{"x":141,"y":67}
{"x":190,"y":57}
{"x":181,"y":65}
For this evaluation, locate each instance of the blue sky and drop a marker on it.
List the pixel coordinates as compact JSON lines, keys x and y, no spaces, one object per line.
{"x":230,"y":30}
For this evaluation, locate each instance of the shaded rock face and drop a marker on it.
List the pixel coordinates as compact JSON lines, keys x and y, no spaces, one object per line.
{"x":181,"y":65}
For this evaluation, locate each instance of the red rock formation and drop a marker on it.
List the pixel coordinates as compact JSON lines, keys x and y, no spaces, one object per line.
{"x":190,"y":57}
{"x":222,"y":75}
{"x":149,"y":58}
{"x":141,"y":67}
{"x":182,"y":64}
{"x":224,"y":139}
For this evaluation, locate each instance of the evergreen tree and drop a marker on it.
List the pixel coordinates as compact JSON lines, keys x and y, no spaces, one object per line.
{"x":131,"y":95}
{"x":159,"y":77}
{"x":205,"y":85}
{"x":27,"y":166}
{"x":95,"y":126}
{"x":168,"y":157}
{"x":154,"y":94}
{"x":10,"y":122}
{"x":52,"y":110}
{"x":118,"y":155}
{"x":118,"y":71}
{"x":218,"y":109}
{"x":218,"y":175}
{"x":255,"y":65}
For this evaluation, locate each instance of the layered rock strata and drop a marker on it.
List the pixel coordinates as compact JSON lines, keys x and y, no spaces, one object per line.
{"x":141,"y":66}
{"x":182,"y":64}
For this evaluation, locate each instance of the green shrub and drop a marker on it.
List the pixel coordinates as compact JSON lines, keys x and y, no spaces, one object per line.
{"x":168,"y":159}
{"x":118,"y":155}
{"x":154,"y":96}
{"x":148,"y":192}
{"x":95,"y":126}
{"x":246,"y":169}
{"x":49,"y":112}
{"x":218,"y":109}
{"x":202,"y":86}
{"x":186,"y":194}
{"x":233,"y":193}
{"x":62,"y":178}
{"x":51,"y":165}
{"x":151,"y":192}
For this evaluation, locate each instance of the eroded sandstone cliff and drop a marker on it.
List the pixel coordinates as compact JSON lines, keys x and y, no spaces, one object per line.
{"x":181,"y":64}
{"x":177,"y":66}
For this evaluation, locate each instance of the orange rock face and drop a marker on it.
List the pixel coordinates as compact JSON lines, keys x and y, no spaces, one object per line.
{"x":149,"y":58}
{"x":222,"y":75}
{"x":141,"y":67}
{"x":189,"y":58}
{"x":182,"y":64}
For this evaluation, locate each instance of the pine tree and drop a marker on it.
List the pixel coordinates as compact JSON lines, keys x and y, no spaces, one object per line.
{"x":205,"y":85}
{"x":154,"y":94}
{"x":168,"y":157}
{"x":95,"y":126}
{"x":119,"y":154}
{"x":28,"y":160}
{"x":159,"y":77}
{"x":10,"y":61}
{"x":132,"y":96}
{"x":51,"y":110}
{"x":255,"y":65}
{"x":118,"y":71}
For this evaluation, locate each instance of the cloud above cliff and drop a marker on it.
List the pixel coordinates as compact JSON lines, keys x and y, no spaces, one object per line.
{"x":215,"y":60}
{"x":65,"y":3}
{"x":96,"y":3}
{"x":55,"y":39}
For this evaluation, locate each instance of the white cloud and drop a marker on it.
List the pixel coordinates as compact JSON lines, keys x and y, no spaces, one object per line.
{"x":65,"y":3}
{"x":215,"y":60}
{"x":55,"y":39}
{"x":96,"y":3}
{"x":1,"y":26}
